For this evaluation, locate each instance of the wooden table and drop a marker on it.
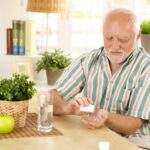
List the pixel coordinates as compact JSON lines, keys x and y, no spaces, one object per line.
{"x":75,"y":137}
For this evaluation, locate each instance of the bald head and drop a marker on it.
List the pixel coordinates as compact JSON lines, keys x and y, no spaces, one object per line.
{"x":120,"y":34}
{"x":123,"y":16}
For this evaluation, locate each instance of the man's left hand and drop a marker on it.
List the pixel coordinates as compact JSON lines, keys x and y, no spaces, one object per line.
{"x":96,"y":119}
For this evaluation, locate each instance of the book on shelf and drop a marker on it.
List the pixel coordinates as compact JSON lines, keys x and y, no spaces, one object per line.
{"x":9,"y":40}
{"x":21,"y":37}
{"x":15,"y":37}
{"x":30,"y":38}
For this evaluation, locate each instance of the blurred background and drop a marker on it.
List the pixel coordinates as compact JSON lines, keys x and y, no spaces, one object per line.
{"x":76,"y":28}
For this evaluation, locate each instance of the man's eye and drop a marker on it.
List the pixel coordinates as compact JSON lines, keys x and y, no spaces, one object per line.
{"x":123,"y":40}
{"x":109,"y":38}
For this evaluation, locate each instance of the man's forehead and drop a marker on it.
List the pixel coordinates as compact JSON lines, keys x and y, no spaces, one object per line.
{"x":120,"y":29}
{"x":117,"y":24}
{"x":124,"y":35}
{"x":117,"y":18}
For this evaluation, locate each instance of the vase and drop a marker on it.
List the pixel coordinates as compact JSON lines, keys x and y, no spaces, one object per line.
{"x":145,"y":42}
{"x":52,"y":76}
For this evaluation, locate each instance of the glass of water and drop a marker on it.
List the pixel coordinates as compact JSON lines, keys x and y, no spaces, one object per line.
{"x":45,"y":111}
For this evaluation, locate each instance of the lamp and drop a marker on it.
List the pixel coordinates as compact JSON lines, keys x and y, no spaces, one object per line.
{"x":47,"y":6}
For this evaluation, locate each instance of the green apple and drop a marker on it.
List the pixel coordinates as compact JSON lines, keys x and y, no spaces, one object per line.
{"x":7,"y":124}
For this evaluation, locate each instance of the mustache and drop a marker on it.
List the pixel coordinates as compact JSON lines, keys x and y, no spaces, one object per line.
{"x":116,"y":51}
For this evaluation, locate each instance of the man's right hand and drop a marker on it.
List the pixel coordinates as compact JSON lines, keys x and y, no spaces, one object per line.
{"x":73,"y":106}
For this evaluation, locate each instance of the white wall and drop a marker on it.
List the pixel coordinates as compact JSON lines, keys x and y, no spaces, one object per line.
{"x":7,"y":67}
{"x":10,"y":9}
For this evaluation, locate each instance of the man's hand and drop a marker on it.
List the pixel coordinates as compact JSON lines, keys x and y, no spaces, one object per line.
{"x":119,"y":123}
{"x":96,"y":119}
{"x":74,"y":105}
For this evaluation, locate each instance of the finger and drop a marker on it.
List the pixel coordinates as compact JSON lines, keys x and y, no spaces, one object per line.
{"x":78,"y":112}
{"x":86,"y":123}
{"x":90,"y":100}
{"x":81,"y":101}
{"x":87,"y":101}
{"x":102,"y":114}
{"x":105,"y":115}
{"x":75,"y":104}
{"x":72,"y":106}
{"x":84,"y":101}
{"x":92,"y":119}
{"x":96,"y":123}
{"x":96,"y":120}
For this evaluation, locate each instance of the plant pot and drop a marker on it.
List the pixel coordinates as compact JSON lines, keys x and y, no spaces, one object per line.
{"x":17,"y":109}
{"x":52,"y":76}
{"x":145,"y":41}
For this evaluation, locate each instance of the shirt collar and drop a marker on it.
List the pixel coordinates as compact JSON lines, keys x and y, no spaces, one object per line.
{"x":133,"y":54}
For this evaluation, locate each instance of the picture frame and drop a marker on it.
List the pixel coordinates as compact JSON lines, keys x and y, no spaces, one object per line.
{"x":23,"y":65}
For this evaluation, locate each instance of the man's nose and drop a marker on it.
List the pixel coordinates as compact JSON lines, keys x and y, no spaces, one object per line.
{"x":115,"y":44}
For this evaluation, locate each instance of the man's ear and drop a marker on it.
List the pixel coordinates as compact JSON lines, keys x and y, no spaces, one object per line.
{"x":138,"y":36}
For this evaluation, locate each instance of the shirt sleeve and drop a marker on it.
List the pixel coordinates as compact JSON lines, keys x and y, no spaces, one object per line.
{"x":72,"y":80}
{"x":139,"y":105}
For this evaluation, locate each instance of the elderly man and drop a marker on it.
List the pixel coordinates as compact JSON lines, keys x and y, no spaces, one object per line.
{"x":115,"y":78}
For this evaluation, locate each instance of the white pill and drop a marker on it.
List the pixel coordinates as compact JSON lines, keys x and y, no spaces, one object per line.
{"x":89,"y":108}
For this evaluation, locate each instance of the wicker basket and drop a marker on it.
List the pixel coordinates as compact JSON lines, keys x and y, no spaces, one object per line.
{"x":17,"y":109}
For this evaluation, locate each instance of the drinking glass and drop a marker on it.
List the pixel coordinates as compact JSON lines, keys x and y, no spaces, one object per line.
{"x":45,"y":111}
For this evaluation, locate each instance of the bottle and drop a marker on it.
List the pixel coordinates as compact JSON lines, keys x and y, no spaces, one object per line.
{"x":104,"y":145}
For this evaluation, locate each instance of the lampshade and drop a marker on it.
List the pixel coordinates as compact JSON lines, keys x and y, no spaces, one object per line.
{"x":47,"y":6}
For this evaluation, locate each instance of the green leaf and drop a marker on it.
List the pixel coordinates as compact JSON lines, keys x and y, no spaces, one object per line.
{"x":145,"y":27}
{"x":53,"y":61}
{"x":17,"y":88}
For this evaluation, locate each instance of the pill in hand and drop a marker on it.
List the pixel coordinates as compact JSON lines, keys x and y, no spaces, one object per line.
{"x":89,"y":108}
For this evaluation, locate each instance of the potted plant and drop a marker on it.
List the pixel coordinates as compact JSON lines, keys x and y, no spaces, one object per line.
{"x":145,"y":35}
{"x":14,"y":95}
{"x":54,"y":64}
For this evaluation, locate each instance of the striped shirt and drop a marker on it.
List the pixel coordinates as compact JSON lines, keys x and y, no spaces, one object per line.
{"x":127,"y":92}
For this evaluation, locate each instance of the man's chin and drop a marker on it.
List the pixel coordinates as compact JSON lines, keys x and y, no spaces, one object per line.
{"x":116,"y":61}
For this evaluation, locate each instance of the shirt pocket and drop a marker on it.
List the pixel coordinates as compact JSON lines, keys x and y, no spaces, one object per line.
{"x":125,"y":100}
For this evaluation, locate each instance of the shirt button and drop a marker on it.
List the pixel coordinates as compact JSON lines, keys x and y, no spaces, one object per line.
{"x":107,"y":99}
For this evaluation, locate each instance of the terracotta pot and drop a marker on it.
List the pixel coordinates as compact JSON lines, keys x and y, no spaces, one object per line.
{"x":52,"y":76}
{"x":145,"y":41}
